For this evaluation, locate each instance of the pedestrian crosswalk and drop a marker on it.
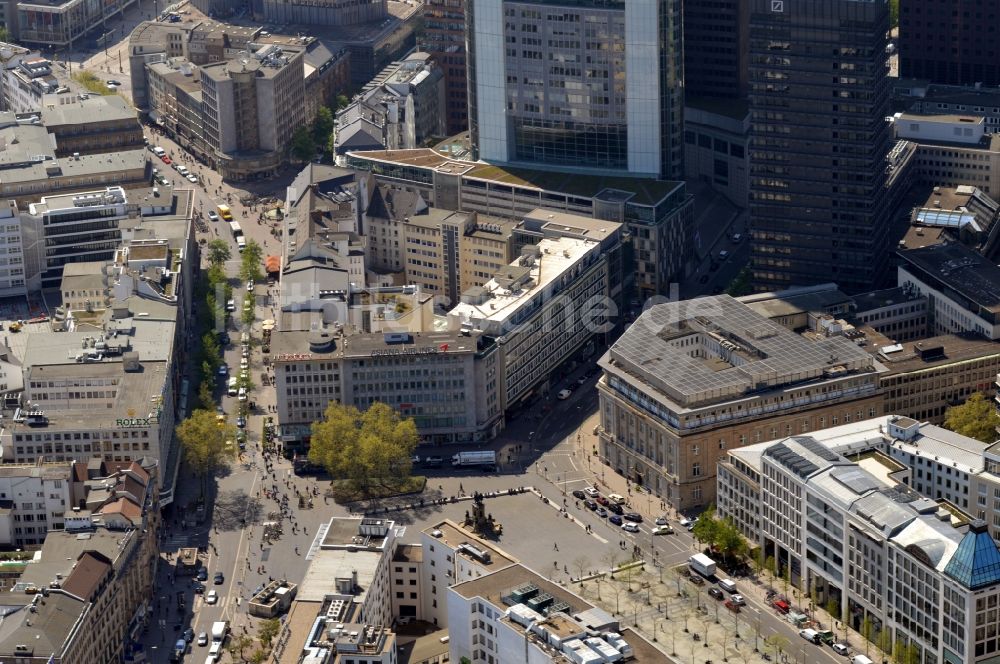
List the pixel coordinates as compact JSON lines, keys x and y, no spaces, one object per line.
{"x":178,"y":541}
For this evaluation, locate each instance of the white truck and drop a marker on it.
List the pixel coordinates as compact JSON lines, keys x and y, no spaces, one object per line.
{"x":219,"y":630}
{"x":476,"y":458}
{"x":702,"y":564}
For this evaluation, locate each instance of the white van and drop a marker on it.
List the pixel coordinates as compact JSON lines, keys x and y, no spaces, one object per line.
{"x":861,"y":659}
{"x":616,"y":498}
{"x":215,"y":651}
{"x":810,"y":635}
{"x":243,"y":394}
{"x":158,"y":151}
{"x":727,"y":585}
{"x":231,"y":391}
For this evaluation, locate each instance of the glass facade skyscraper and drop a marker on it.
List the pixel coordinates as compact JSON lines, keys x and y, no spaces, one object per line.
{"x":588,"y":84}
{"x":820,"y":199}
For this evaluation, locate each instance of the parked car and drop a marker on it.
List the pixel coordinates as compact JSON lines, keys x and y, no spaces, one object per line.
{"x":241,"y":421}
{"x":732,"y":606}
{"x":602,"y":500}
{"x":696,"y":579}
{"x":716,"y":593}
{"x":590,"y":504}
{"x":202,"y":574}
{"x":688,"y":523}
{"x":737,"y":599}
{"x":591,"y":491}
{"x":781,"y":605}
{"x":223,"y":369}
{"x":630,"y":527}
{"x":634,"y":517}
{"x":601,"y":512}
{"x":579,"y":495}
{"x":661,"y":521}
{"x":616,"y":508}
{"x":840,"y":648}
{"x":189,"y":635}
{"x":192,"y":178}
{"x":615,"y":519}
{"x":166,"y":160}
{"x":199,"y":588}
{"x":564,"y":394}
{"x":212,"y":597}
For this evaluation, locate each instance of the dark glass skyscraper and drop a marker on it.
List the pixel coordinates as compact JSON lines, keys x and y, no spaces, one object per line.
{"x":589,"y":84}
{"x":819,"y":97}
{"x":715,"y":48}
{"x":950,"y":41}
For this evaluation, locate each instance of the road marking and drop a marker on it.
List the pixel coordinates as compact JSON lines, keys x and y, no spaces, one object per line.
{"x":598,"y":537}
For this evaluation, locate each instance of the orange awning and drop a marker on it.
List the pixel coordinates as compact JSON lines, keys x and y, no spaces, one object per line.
{"x":273,"y":263}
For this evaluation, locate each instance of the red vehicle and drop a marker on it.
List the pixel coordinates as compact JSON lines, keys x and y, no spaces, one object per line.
{"x":732,"y":607}
{"x":602,"y":500}
{"x":781,"y":605}
{"x":165,"y":159}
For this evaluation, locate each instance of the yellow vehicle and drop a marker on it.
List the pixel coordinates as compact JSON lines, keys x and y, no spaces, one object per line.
{"x":225,"y":212}
{"x":16,"y":326}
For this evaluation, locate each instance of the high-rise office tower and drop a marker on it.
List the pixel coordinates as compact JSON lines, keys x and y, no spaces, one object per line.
{"x":716,"y":48}
{"x":950,"y":41}
{"x":590,"y":84}
{"x":443,"y":37}
{"x":819,"y":97}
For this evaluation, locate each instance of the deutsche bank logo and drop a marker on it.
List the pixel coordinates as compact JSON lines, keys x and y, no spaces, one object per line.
{"x":777,"y":5}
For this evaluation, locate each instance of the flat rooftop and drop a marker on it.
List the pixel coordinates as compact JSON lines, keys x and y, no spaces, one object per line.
{"x":906,"y":357}
{"x":454,"y":535}
{"x":642,"y":191}
{"x":660,"y":352}
{"x":959,"y":268}
{"x":883,"y":298}
{"x":518,"y":286}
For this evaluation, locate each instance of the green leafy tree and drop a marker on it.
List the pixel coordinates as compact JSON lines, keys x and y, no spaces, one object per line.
{"x":204,"y":440}
{"x":729,"y":540}
{"x":218,"y":252}
{"x":268,"y":630}
{"x":258,"y":656}
{"x":775,"y":644}
{"x":893,"y":13}
{"x":771,"y":565}
{"x":740,"y":285}
{"x":322,"y":126}
{"x":251,"y":261}
{"x":976,"y":418}
{"x":706,"y":528}
{"x":342,"y":101}
{"x":369,"y":449}
{"x":206,"y":397}
{"x":248,"y":316}
{"x":303,"y":144}
{"x":4,"y":35}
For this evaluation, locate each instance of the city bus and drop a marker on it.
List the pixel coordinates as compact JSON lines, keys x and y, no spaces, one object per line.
{"x":225,"y":212}
{"x":234,"y":226}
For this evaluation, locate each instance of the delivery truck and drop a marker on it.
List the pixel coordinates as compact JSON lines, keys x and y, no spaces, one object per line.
{"x":472,"y":459}
{"x":702,"y":564}
{"x":219,"y":631}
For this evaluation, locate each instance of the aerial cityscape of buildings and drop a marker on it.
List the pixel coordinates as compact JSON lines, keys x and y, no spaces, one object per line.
{"x":687,"y":313}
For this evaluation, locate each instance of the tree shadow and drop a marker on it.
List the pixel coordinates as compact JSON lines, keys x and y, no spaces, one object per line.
{"x":234,"y":509}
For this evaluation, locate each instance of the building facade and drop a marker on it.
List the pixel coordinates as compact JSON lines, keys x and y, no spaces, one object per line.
{"x":594,"y":85}
{"x":819,"y":177}
{"x":869,"y":518}
{"x":658,"y":215}
{"x":716,"y":49}
{"x":949,"y":42}
{"x":443,"y":37}
{"x":689,"y":380}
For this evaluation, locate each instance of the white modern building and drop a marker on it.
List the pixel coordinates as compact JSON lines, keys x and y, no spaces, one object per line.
{"x":547,"y":305}
{"x":594,"y":86}
{"x":516,"y":616}
{"x":33,"y":501}
{"x":869,"y":517}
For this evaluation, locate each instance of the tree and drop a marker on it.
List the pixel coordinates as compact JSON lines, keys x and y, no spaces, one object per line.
{"x":268,"y":630}
{"x":893,"y":13}
{"x":4,"y":35}
{"x":203,"y":439}
{"x":239,"y":644}
{"x":976,"y":418}
{"x":866,"y":631}
{"x":740,"y":285}
{"x":373,"y":448}
{"x":342,"y":101}
{"x":258,"y":656}
{"x":218,"y":252}
{"x":775,"y":644}
{"x":771,"y":565}
{"x":248,"y":316}
{"x":706,"y":528}
{"x":206,"y":397}
{"x":250,"y":262}
{"x":303,"y":145}
{"x":729,"y":540}
{"x":581,"y":564}
{"x":322,"y":126}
